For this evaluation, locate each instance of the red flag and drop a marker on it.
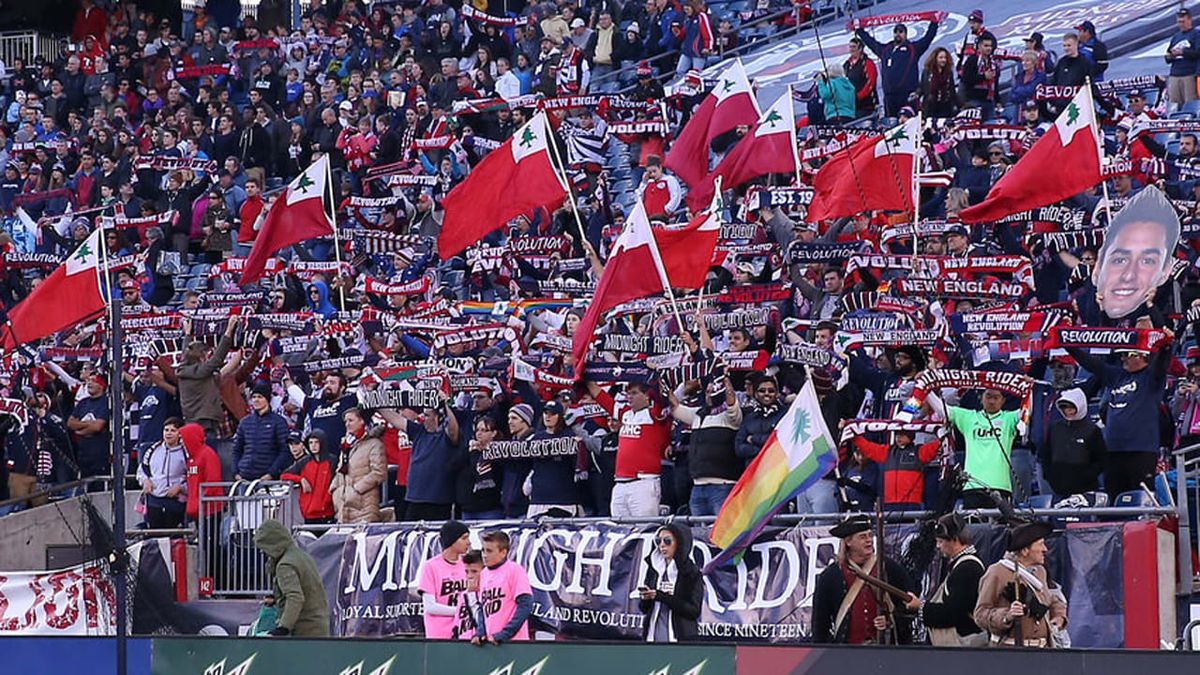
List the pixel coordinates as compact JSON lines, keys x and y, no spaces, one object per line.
{"x":634,"y":270}
{"x":513,"y":179}
{"x":296,"y":215}
{"x":730,"y":103}
{"x":1063,"y":162}
{"x":770,"y":147}
{"x":70,"y":295}
{"x":687,"y":252}
{"x":876,"y":173}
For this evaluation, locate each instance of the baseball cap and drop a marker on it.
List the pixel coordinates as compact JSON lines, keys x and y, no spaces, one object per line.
{"x":1030,"y":105}
{"x":907,"y":110}
{"x":346,"y":105}
{"x":1183,"y":11}
{"x":554,"y":406}
{"x":577,"y":23}
{"x":1086,"y":25}
{"x":956,"y":229}
{"x":1035,"y":38}
{"x":1138,"y":93}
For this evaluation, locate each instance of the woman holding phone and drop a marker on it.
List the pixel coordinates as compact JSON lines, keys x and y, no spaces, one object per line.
{"x":671,"y":590}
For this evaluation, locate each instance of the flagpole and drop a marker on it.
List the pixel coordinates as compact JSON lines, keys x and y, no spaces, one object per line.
{"x":916,"y":187}
{"x":1100,"y":148}
{"x":792,"y":134}
{"x":560,"y":172}
{"x":117,"y":557}
{"x":337,"y":240}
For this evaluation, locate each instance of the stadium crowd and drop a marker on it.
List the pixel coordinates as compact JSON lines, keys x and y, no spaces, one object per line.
{"x":177,"y":140}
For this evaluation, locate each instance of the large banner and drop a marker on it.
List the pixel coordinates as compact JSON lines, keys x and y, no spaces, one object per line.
{"x":584,"y":580}
{"x":75,"y":601}
{"x":585,"y":577}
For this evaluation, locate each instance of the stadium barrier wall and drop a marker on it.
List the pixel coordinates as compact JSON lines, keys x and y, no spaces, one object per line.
{"x":90,"y":655}
{"x":227,"y":656}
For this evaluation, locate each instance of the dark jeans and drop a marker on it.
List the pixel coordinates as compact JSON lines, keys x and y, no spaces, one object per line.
{"x":892,"y":103}
{"x":423,"y":511}
{"x":1127,"y":471}
{"x":164,"y":513}
{"x":706,"y":500}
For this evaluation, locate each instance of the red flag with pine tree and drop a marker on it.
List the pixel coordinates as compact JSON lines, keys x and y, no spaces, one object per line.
{"x":634,"y":270}
{"x":730,"y":103}
{"x":72,"y":294}
{"x":1062,"y":163}
{"x":647,"y":261}
{"x":301,"y":213}
{"x":874,"y":174}
{"x":769,"y":147}
{"x":513,"y":179}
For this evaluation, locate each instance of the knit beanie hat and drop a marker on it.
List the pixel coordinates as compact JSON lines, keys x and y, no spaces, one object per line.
{"x":524,"y":411}
{"x":450,"y":532}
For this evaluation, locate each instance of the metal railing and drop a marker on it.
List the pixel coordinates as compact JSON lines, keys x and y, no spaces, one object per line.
{"x":227,"y":554}
{"x":26,"y":45}
{"x":801,"y":519}
{"x":625,"y":73}
{"x":1185,"y":640}
{"x":69,"y":488}
{"x":1186,"y":468}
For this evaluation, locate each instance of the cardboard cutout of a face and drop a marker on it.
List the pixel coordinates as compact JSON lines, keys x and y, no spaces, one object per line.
{"x":1137,"y":254}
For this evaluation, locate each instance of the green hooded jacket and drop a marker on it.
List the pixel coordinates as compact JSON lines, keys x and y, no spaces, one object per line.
{"x":299,"y":594}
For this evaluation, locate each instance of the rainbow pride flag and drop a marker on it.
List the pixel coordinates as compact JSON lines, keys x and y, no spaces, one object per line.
{"x":799,"y":452}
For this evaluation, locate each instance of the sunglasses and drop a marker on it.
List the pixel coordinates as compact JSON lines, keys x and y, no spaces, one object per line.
{"x":663,"y":541}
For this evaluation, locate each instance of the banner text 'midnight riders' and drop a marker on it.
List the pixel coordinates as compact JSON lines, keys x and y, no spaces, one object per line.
{"x":585,"y":579}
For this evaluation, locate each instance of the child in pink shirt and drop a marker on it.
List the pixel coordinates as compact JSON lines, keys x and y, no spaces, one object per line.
{"x":470,"y":610}
{"x":504,"y":592}
{"x":442,"y":579}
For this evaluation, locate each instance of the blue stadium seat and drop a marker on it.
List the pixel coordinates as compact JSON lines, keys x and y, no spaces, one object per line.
{"x":1135,"y":499}
{"x":1192,"y":106}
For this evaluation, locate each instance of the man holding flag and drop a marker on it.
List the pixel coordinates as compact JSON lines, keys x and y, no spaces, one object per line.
{"x":796,"y":455}
{"x":301,"y":213}
{"x":1062,"y":163}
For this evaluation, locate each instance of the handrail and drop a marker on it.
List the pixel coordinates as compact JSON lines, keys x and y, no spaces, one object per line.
{"x":742,"y":48}
{"x":1187,"y":635}
{"x":151,"y":533}
{"x":792,"y":519}
{"x":55,"y":489}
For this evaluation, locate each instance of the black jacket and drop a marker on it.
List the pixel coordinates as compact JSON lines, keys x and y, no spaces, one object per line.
{"x":684,"y":604}
{"x":1074,"y":456}
{"x":831,"y":589}
{"x":958,"y":600}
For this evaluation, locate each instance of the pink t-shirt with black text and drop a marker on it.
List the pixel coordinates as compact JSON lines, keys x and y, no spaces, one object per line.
{"x":498,"y":591}
{"x":443,"y":581}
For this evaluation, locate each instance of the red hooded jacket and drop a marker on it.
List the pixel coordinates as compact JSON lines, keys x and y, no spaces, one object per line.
{"x":203,"y":466}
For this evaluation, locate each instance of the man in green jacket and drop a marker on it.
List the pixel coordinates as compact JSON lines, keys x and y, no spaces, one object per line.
{"x":299,"y":595}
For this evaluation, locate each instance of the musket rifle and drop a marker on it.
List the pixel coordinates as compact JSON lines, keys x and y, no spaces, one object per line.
{"x":886,"y":608}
